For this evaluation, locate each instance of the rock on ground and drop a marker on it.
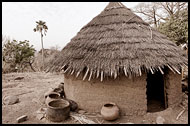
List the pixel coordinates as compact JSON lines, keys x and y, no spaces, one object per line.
{"x":21,"y":118}
{"x":81,"y":111}
{"x":10,"y":100}
{"x":19,"y":78}
{"x":160,"y":120}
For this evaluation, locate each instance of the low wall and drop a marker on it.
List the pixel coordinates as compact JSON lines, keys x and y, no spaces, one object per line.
{"x":128,"y":94}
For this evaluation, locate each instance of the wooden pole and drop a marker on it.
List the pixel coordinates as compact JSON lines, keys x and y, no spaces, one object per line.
{"x":160,"y":70}
{"x":140,"y":71}
{"x":77,"y":73}
{"x":125,"y":71}
{"x":101,"y":75}
{"x":97,"y":74}
{"x":171,"y":69}
{"x":90,"y":75}
{"x":151,"y":71}
{"x":86,"y":74}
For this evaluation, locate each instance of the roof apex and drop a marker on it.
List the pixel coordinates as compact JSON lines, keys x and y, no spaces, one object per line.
{"x":112,"y":5}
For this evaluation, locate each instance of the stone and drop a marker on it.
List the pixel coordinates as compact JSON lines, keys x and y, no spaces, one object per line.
{"x":40,"y":116}
{"x":160,"y":120}
{"x":22,"y":118}
{"x":127,"y":123}
{"x":43,"y":119}
{"x":10,"y":100}
{"x":81,"y":111}
{"x":41,"y":111}
{"x":19,"y":78}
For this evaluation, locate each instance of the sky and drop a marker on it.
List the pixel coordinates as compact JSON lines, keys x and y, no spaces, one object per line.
{"x":64,"y":20}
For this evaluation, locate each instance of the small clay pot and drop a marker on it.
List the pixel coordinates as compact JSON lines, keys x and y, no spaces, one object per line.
{"x":58,"y":110}
{"x":110,"y":111}
{"x":52,"y":96}
{"x":73,"y":105}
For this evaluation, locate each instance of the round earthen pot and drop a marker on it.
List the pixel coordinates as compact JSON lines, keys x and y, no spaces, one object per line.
{"x":58,"y":110}
{"x":52,"y":96}
{"x":110,"y":111}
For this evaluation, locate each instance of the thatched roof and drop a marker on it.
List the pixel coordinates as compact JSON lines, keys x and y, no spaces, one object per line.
{"x":118,"y":41}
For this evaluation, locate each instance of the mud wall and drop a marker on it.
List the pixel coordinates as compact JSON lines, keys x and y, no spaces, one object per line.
{"x":173,"y":88}
{"x":128,"y":94}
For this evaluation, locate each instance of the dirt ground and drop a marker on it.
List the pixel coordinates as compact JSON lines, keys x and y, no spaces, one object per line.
{"x":32,"y":88}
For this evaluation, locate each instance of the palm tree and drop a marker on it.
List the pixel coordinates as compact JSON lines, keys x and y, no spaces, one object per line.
{"x":42,"y":28}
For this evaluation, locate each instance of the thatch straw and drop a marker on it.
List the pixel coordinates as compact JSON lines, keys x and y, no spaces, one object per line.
{"x":118,"y":41}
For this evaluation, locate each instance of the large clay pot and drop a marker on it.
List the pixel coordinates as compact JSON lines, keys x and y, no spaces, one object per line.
{"x":58,"y":110}
{"x":52,"y":96}
{"x":110,"y":111}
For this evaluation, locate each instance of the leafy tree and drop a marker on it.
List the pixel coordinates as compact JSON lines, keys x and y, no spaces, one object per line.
{"x":19,"y":54}
{"x":176,"y":28}
{"x":42,"y":28}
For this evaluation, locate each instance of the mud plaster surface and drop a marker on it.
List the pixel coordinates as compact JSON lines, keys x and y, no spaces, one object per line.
{"x":128,"y":94}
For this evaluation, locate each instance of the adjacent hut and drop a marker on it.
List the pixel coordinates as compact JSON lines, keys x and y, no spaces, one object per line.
{"x":117,"y":57}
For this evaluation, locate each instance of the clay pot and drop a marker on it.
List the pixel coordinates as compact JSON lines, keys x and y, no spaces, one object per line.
{"x":110,"y":111}
{"x":52,"y":96}
{"x":58,"y":110}
{"x":73,"y":105}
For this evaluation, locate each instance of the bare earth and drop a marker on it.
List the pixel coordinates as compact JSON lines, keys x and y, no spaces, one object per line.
{"x":31,"y":89}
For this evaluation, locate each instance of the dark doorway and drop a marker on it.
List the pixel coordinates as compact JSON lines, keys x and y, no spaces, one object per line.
{"x":155,"y":92}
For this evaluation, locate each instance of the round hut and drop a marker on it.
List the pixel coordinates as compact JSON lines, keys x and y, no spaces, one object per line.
{"x":117,"y":57}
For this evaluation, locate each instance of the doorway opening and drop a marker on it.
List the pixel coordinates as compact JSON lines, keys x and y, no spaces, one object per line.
{"x":156,"y":99}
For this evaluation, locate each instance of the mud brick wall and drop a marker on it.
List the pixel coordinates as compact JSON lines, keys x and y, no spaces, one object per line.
{"x":173,"y":89}
{"x":128,"y":94}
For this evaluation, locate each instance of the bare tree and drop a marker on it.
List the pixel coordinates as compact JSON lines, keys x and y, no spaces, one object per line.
{"x":172,"y":8}
{"x":156,"y":12}
{"x":56,"y":47}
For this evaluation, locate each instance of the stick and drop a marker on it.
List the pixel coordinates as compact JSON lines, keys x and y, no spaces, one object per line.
{"x":160,"y":70}
{"x":140,"y":71}
{"x":102,"y":76}
{"x":115,"y":75}
{"x":72,"y":72}
{"x":97,"y":74}
{"x":151,"y":71}
{"x":111,"y":72}
{"x":78,"y":73}
{"x":171,"y":69}
{"x":90,"y":76}
{"x":24,"y":93}
{"x":179,"y":115}
{"x":66,"y":70}
{"x":185,"y":65}
{"x":176,"y":70}
{"x":99,"y":121}
{"x":86,"y":74}
{"x":62,"y":67}
{"x":82,"y":119}
{"x":120,"y":4}
{"x":125,"y":71}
